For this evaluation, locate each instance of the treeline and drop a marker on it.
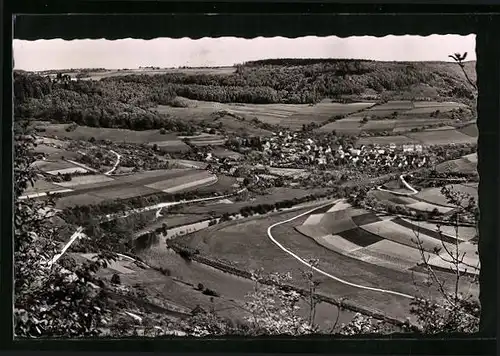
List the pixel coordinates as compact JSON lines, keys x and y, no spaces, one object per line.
{"x":112,"y":105}
{"x":303,"y":61}
{"x":452,"y":151}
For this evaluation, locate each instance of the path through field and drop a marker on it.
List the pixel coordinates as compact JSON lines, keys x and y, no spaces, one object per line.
{"x":269,"y":234}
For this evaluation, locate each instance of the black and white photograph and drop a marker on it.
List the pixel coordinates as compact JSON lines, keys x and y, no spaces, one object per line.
{"x":232,"y":186}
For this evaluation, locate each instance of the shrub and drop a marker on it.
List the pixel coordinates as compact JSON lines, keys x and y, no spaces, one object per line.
{"x":71,"y":127}
{"x":165,"y":271}
{"x":178,"y":103}
{"x":200,"y":286}
{"x":163,"y":132}
{"x":212,"y":222}
{"x":211,"y":292}
{"x":115,"y":279}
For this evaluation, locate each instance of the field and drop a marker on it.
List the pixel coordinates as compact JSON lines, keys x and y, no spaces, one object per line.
{"x":360,"y":237}
{"x":223,"y":185}
{"x":86,"y":179}
{"x":403,"y":123}
{"x":433,"y":195}
{"x":428,"y":207}
{"x":240,"y":127}
{"x":386,"y":140}
{"x":464,"y":233}
{"x":226,"y":241}
{"x":389,"y":254}
{"x":97,"y":188}
{"x":419,"y":228}
{"x":427,"y":137}
{"x":395,"y":105}
{"x":173,"y":220}
{"x":275,"y":195}
{"x":467,"y":164}
{"x":167,"y":142}
{"x":291,"y":116}
{"x":442,"y":137}
{"x":80,"y":199}
{"x":409,"y":115}
{"x":336,"y":243}
{"x":470,"y":262}
{"x":154,"y":175}
{"x":187,"y":181}
{"x":183,"y":163}
{"x":233,"y":290}
{"x":225,"y":153}
{"x":123,"y":192}
{"x":470,"y":130}
{"x":170,"y":145}
{"x":389,"y":230}
{"x":52,"y":165}
{"x":345,"y":126}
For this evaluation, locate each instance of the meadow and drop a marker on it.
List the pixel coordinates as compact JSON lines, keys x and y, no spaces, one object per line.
{"x":232,"y":289}
{"x":466,"y":164}
{"x":291,"y":116}
{"x":434,"y":195}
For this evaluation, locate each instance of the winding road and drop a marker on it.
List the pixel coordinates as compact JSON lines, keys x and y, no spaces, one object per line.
{"x":304,"y":262}
{"x":405,"y":183}
{"x":118,"y":157}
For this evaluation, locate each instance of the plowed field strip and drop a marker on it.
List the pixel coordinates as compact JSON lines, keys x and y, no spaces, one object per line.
{"x":432,"y":233}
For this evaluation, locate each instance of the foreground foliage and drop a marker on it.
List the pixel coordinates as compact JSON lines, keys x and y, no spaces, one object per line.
{"x":50,"y":300}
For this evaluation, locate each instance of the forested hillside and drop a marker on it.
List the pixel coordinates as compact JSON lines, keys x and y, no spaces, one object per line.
{"x":127,"y":101}
{"x":308,"y":81}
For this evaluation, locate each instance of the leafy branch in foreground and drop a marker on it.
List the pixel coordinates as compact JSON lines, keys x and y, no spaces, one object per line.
{"x":459,"y":58}
{"x":456,"y":311}
{"x":49,"y":299}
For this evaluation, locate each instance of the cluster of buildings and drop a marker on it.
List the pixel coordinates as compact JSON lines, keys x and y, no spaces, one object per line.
{"x":381,"y":157}
{"x":296,"y":150}
{"x":291,"y":150}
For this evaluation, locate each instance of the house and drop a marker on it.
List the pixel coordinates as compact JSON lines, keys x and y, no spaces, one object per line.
{"x":408,"y":148}
{"x":355,"y":152}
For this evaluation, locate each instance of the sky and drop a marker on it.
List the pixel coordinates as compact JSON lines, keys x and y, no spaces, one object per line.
{"x":227,"y":51}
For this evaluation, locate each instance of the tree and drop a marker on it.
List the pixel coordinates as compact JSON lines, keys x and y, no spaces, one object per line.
{"x":459,"y":58}
{"x":115,"y":279}
{"x":49,"y":300}
{"x":457,"y":312}
{"x":273,"y":309}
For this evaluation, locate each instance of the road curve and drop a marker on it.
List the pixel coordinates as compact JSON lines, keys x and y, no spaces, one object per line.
{"x":304,"y":262}
{"x":118,"y":157}
{"x":409,"y":187}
